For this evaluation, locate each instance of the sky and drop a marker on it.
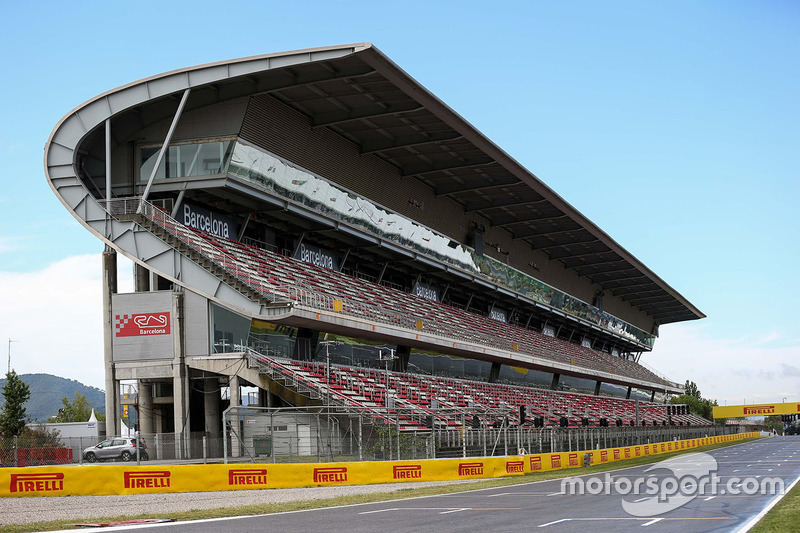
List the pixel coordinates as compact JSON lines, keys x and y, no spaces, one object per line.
{"x":671,"y":125}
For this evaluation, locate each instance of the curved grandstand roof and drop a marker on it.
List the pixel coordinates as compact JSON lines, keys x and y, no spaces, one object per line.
{"x":359,"y":93}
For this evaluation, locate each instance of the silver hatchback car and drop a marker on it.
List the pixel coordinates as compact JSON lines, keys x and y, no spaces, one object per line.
{"x":122,"y":448}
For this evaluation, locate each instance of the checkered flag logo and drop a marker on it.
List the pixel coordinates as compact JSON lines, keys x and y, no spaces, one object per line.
{"x":142,"y":324}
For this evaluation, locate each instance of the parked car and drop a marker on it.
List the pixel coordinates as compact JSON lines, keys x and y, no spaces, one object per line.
{"x":121,"y":448}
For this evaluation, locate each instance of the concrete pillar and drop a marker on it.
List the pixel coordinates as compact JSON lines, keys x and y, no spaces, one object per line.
{"x":236,"y":430}
{"x":628,"y":394}
{"x":112,"y":387}
{"x":597,"y":387}
{"x":494,"y":373}
{"x":213,"y":415}
{"x":653,"y":396}
{"x":180,"y":385}
{"x":265,"y":398}
{"x":141,"y":278}
{"x":236,"y":393}
{"x":211,"y":398}
{"x":402,"y":355}
{"x":145,"y":408}
{"x":554,"y":383}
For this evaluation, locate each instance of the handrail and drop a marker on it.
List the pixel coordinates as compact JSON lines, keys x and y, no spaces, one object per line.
{"x":338,"y":400}
{"x":307,"y":297}
{"x":463,"y":389}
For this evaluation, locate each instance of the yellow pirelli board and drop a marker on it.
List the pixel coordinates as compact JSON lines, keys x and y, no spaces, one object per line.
{"x":763,"y":409}
{"x":84,"y":480}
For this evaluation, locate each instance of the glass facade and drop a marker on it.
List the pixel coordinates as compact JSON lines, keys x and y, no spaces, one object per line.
{"x":300,"y":187}
{"x":303,"y":188}
{"x":278,"y":340}
{"x":229,"y":331}
{"x":271,"y":339}
{"x":202,"y":158}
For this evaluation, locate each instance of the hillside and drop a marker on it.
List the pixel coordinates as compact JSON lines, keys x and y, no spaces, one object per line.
{"x":47,"y":391}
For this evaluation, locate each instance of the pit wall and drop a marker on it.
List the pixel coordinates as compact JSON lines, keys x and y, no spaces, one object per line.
{"x":153,"y":479}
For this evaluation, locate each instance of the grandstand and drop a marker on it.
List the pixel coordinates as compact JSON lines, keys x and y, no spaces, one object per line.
{"x":318,"y":216}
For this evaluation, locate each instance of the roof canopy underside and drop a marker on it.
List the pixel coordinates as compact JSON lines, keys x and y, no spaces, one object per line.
{"x":364,"y":97}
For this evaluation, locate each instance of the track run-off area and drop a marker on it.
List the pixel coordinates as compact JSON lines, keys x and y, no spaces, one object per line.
{"x":725,"y":489}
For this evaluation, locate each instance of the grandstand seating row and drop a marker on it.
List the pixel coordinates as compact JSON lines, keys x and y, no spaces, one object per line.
{"x":271,"y":273}
{"x":415,"y":397}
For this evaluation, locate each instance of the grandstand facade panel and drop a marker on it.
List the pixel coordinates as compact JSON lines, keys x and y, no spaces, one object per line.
{"x":321,"y":207}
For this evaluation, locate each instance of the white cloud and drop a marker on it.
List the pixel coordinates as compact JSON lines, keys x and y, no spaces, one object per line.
{"x":55,"y":315}
{"x":731,"y":371}
{"x":8,"y":244}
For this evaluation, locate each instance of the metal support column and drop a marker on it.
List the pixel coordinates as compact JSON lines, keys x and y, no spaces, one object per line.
{"x":165,"y":146}
{"x":108,"y":159}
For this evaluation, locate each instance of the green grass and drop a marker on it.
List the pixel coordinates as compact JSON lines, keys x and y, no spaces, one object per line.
{"x":388,"y":496}
{"x":785,"y":516}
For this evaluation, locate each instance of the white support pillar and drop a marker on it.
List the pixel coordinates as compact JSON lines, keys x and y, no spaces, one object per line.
{"x":180,"y":385}
{"x":108,"y":159}
{"x":141,"y":278}
{"x":165,"y":146}
{"x":211,"y":399}
{"x":236,"y":400}
{"x":145,"y":408}
{"x":178,"y":202}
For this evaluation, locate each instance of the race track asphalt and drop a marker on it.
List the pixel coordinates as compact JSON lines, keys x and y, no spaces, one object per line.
{"x":726,"y":504}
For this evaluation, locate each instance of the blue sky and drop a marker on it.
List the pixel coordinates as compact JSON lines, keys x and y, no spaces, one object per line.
{"x":672,"y":125}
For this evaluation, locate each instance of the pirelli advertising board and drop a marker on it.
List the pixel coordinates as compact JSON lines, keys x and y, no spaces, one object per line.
{"x":152,"y":479}
{"x":764,"y":409}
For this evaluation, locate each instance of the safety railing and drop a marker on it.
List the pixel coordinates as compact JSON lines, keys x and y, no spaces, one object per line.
{"x":262,"y":435}
{"x":307,"y":297}
{"x":333,"y":434}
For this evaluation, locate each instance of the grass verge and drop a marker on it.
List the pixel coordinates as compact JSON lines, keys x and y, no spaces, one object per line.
{"x":785,"y":516}
{"x":244,"y":510}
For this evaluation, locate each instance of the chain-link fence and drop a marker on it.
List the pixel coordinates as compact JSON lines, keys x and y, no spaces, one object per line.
{"x":37,"y":449}
{"x":326,"y":435}
{"x":53,"y":449}
{"x":319,"y":434}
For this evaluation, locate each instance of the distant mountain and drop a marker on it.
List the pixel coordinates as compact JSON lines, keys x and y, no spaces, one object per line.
{"x":47,"y":391}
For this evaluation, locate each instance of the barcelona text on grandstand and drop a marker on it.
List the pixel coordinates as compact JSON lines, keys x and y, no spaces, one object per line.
{"x":205,"y":222}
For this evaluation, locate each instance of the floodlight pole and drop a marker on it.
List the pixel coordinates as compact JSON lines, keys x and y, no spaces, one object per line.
{"x":387,"y":359}
{"x":9,"y":354}
{"x":327,"y":344}
{"x":328,"y":370}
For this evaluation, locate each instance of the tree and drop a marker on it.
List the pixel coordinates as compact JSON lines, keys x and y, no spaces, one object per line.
{"x":774,"y":422}
{"x":691,"y":389}
{"x":41,"y":437}
{"x":12,"y":415}
{"x":697,"y":404}
{"x":78,"y":410}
